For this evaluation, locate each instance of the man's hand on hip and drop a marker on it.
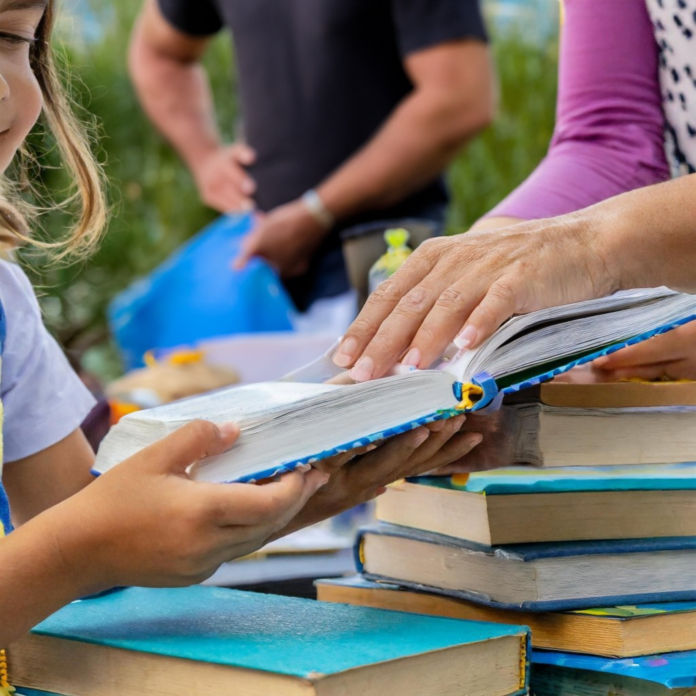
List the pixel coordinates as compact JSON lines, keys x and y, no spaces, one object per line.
{"x":286,"y":237}
{"x":222,"y":180}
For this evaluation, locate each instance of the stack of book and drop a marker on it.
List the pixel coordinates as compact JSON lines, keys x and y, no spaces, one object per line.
{"x":599,"y":561}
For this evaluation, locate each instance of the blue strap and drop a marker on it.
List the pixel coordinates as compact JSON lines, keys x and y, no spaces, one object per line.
{"x":4,"y":502}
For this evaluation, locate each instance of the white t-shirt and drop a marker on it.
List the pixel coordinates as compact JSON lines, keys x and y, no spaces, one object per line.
{"x":43,"y":399}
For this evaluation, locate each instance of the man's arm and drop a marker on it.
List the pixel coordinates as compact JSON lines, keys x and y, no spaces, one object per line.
{"x":452,"y":100}
{"x":173,"y":88}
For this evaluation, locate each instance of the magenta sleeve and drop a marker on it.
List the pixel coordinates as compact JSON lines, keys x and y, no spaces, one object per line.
{"x":609,"y":122}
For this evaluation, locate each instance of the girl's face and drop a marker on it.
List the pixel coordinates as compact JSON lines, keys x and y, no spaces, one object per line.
{"x":20,"y":95}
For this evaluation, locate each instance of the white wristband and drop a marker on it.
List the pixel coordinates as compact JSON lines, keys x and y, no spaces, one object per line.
{"x":318,"y":210}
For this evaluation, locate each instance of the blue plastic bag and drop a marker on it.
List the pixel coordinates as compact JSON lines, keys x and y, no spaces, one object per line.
{"x":196,"y":294}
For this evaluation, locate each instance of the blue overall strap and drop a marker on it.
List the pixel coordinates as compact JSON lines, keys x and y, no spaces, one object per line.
{"x":4,"y":502}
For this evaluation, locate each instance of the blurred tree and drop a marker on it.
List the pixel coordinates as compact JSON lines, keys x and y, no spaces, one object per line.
{"x":155,"y":204}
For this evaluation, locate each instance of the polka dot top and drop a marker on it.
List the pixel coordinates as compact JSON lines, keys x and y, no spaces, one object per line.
{"x":674,"y":24}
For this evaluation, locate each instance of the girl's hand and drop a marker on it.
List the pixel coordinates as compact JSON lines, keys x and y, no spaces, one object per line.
{"x":146,"y":523}
{"x":671,"y":356}
{"x":475,"y":280}
{"x":360,"y":475}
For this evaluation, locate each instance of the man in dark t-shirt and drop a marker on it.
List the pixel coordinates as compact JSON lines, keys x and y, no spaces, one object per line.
{"x":351,"y":110}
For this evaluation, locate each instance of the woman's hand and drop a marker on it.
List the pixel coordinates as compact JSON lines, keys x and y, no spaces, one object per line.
{"x":475,"y":280}
{"x":360,"y":475}
{"x":671,"y":356}
{"x":146,"y":523}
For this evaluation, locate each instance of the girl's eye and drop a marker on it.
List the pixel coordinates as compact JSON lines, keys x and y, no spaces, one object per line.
{"x":14,"y":40}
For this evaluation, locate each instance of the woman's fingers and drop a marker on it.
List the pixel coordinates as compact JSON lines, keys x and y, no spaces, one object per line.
{"x":455,"y":450}
{"x":338,"y":461}
{"x":380,"y":305}
{"x":446,"y":318}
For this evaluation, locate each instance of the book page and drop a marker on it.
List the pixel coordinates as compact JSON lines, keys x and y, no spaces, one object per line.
{"x":238,"y":404}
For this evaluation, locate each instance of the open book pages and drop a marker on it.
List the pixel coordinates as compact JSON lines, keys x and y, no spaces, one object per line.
{"x":291,"y":422}
{"x":288,"y":423}
{"x":542,"y":337}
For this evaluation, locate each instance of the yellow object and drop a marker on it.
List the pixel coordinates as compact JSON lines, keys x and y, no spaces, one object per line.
{"x":182,"y":374}
{"x":179,"y":357}
{"x":460,"y":479}
{"x":523,"y":663}
{"x":469,"y":392}
{"x":390,"y":262}
{"x":120,"y":409}
{"x":5,"y":688}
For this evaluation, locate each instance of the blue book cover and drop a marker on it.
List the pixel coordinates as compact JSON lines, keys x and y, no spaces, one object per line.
{"x":529,"y":553}
{"x":281,"y":635}
{"x":578,"y":479}
{"x":672,"y":670}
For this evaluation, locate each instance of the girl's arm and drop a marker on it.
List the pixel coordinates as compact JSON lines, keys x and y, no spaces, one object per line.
{"x":609,"y":124}
{"x":44,"y":479}
{"x":143,"y":523}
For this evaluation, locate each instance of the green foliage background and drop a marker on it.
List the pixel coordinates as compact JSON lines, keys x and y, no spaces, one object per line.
{"x":155,"y":204}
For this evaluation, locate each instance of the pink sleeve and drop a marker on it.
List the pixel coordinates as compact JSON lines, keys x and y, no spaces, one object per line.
{"x":609,"y":122}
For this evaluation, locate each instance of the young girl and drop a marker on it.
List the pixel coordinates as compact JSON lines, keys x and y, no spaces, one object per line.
{"x":145,"y":522}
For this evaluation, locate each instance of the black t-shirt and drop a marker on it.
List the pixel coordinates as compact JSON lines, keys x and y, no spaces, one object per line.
{"x":317,"y":79}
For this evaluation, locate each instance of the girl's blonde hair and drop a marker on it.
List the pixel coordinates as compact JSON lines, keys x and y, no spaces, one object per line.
{"x":74,"y":147}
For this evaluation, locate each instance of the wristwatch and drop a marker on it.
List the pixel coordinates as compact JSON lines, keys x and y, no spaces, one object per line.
{"x":312,"y":201}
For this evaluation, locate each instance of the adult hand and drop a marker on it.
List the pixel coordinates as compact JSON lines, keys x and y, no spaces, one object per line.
{"x":475,"y":280}
{"x":357,"y":479}
{"x":286,"y":237}
{"x":671,"y":356}
{"x":222,"y":180}
{"x":146,"y":522}
{"x":499,"y":434}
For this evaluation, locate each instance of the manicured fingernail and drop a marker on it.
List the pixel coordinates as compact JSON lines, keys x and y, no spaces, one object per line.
{"x":346,"y":351}
{"x":304,"y":468}
{"x":604,"y":360}
{"x":363,"y":369}
{"x":371,"y":447}
{"x":437,"y":426}
{"x":466,"y":338}
{"x":380,"y":491}
{"x":412,"y":358}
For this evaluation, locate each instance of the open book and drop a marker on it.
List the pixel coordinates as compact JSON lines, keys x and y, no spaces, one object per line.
{"x":288,"y":423}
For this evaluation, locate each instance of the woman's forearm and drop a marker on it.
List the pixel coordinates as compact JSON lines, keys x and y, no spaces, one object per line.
{"x":649,"y":235}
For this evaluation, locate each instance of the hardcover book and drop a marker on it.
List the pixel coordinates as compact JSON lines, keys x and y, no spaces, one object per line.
{"x":620,"y":631}
{"x":532,"y":577}
{"x":199,"y":641}
{"x":294,"y":422}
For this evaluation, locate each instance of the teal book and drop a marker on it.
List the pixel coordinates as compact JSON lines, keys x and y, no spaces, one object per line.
{"x":521,"y":505}
{"x":566,"y":674}
{"x":207,"y":641}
